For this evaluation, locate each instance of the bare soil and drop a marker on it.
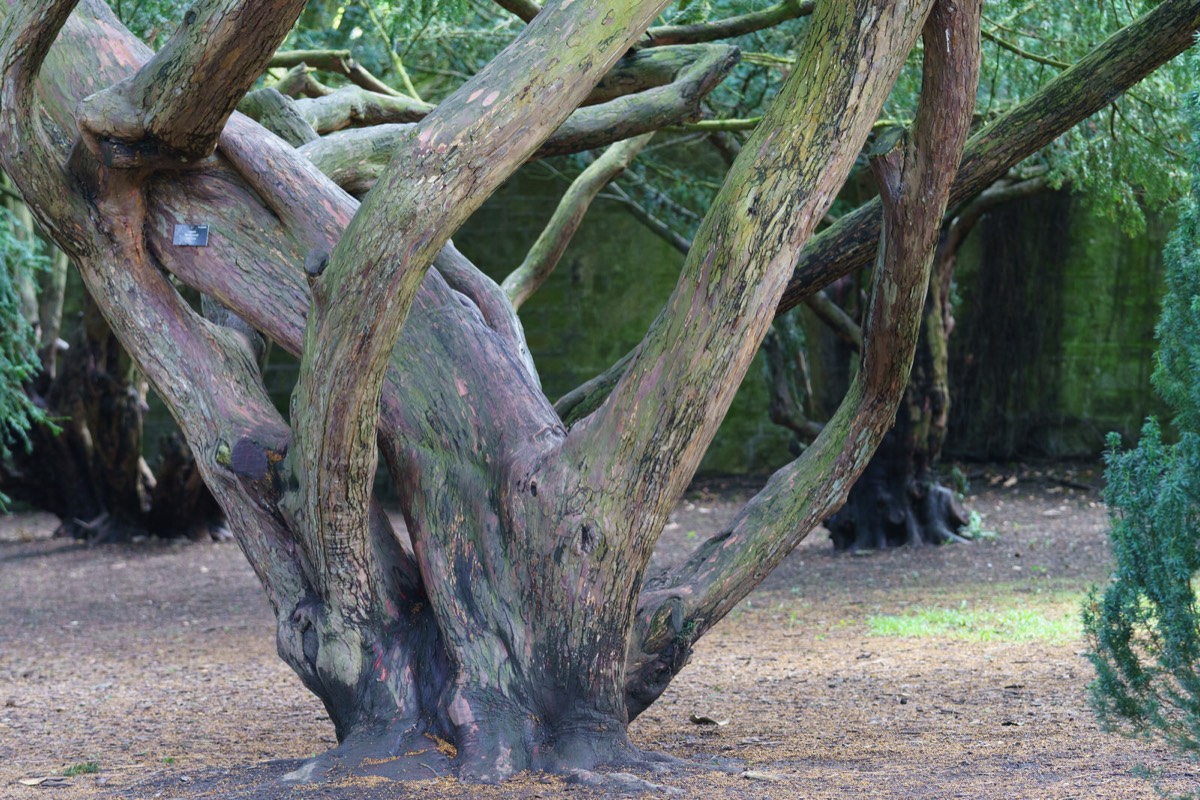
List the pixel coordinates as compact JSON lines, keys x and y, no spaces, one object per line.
{"x":149,"y":671}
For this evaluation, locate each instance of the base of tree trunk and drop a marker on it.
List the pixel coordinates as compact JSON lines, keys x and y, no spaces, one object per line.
{"x":892,"y":505}
{"x":405,"y":751}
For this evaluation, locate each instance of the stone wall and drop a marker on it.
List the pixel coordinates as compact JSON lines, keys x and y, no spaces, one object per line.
{"x":1054,"y":341}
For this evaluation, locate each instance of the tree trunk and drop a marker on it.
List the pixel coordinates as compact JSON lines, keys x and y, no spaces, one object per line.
{"x":518,"y":633}
{"x":899,"y":499}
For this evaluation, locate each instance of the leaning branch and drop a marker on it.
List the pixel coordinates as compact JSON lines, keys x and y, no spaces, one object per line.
{"x":544,"y":256}
{"x":677,"y":608}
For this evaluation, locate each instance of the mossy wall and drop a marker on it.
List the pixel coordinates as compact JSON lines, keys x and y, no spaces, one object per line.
{"x":1054,"y":341}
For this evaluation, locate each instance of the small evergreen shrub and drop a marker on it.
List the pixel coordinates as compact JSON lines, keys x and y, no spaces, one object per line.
{"x":1144,"y":632}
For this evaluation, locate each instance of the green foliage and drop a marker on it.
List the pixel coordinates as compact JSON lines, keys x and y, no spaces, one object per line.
{"x":20,"y":254}
{"x":1145,"y":629}
{"x":153,"y":21}
{"x":440,"y":43}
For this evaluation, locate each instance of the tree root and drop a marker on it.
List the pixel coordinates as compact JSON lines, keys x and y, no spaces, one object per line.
{"x":621,"y":783}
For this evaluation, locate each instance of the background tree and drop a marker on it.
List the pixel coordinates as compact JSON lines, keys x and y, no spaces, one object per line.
{"x":1145,"y":630}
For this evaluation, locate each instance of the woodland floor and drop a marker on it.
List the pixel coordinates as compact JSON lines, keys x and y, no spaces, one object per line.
{"x":957,"y":672}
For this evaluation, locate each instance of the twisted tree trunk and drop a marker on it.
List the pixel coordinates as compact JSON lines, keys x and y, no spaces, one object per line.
{"x":519,"y":631}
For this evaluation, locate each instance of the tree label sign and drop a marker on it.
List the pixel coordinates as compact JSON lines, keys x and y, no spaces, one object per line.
{"x":191,"y":236}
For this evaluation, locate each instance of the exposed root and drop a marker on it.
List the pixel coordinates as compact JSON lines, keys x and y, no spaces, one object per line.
{"x":623,"y":783}
{"x":408,"y":755}
{"x":405,"y":751}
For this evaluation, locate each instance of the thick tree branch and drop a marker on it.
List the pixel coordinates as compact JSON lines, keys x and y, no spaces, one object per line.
{"x":363,"y":291}
{"x":662,"y":415}
{"x":279,"y":114}
{"x":176,"y":105}
{"x":31,"y":159}
{"x":544,"y":256}
{"x":355,"y":158}
{"x":733,"y":26}
{"x":678,"y":607}
{"x":355,"y":107}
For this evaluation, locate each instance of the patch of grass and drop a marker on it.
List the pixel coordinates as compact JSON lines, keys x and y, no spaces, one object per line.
{"x":84,"y":768}
{"x":978,"y":625}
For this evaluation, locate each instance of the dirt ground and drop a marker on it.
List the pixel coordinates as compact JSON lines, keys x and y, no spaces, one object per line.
{"x":149,"y":671}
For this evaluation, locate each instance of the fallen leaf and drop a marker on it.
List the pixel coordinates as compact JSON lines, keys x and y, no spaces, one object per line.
{"x":770,"y":777}
{"x":48,"y":780}
{"x":699,"y":720}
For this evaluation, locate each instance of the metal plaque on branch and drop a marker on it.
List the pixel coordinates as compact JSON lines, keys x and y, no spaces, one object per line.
{"x":191,"y":236}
